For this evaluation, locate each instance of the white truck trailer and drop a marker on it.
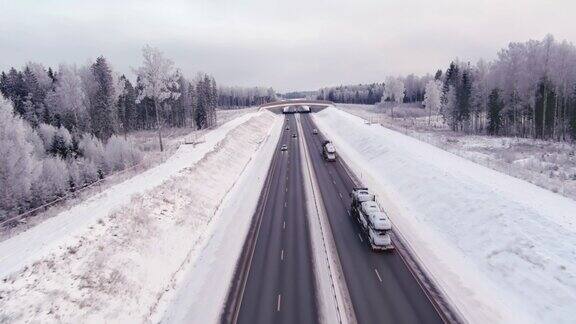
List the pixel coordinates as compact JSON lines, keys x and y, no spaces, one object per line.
{"x":328,"y":151}
{"x":375,"y":223}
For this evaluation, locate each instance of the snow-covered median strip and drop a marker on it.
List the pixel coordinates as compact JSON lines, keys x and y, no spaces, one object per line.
{"x":118,"y":269}
{"x":501,"y":248}
{"x":334,"y":299}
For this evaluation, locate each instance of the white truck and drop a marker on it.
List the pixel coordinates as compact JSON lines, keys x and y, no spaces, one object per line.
{"x":328,"y":151}
{"x":373,"y":220}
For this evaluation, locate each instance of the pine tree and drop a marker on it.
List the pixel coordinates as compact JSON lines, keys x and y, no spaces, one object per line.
{"x":102,"y":112}
{"x":464,"y":94}
{"x":450,"y":80}
{"x":127,"y":113}
{"x":495,"y":105}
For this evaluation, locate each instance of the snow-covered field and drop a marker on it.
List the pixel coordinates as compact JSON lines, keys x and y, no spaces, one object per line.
{"x":503,"y":249}
{"x":550,"y":165}
{"x":112,"y":258}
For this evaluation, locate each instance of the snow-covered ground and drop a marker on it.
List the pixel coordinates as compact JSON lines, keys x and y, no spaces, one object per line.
{"x":548,"y":164}
{"x":147,"y":142}
{"x":114,"y":256}
{"x":504,"y":250}
{"x":203,"y":287}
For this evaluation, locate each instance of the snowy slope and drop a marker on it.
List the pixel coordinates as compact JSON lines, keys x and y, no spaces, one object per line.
{"x":502,"y":248}
{"x":203,"y":287}
{"x":120,"y":269}
{"x":32,"y":244}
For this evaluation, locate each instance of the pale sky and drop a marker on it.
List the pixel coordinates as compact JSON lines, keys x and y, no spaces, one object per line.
{"x":289,"y":45}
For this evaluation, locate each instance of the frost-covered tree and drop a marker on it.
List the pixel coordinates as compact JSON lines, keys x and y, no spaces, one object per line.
{"x":92,"y":149}
{"x":68,"y":99}
{"x":46,"y":133}
{"x":120,"y":154}
{"x":206,"y":100}
{"x":61,"y":143}
{"x":18,"y":165}
{"x":53,"y":181}
{"x":393,"y":91}
{"x":158,"y":79}
{"x":432,"y":97}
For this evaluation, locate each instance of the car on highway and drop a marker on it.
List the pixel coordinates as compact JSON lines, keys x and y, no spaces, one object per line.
{"x":314,"y":131}
{"x":287,"y":128}
{"x":294,"y":135}
{"x":284,"y":148}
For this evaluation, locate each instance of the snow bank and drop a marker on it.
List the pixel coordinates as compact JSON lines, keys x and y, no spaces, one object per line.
{"x":119,"y":267}
{"x":203,"y":286}
{"x":29,"y":246}
{"x":503,"y":249}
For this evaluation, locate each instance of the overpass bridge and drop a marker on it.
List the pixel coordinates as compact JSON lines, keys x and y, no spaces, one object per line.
{"x":296,"y":106}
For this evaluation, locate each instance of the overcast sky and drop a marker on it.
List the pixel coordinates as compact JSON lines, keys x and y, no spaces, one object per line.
{"x":289,"y":45}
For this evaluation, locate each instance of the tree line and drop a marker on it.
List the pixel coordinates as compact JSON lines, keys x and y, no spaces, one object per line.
{"x":414,"y":89}
{"x":62,"y":129}
{"x":529,"y":90}
{"x":236,"y":97}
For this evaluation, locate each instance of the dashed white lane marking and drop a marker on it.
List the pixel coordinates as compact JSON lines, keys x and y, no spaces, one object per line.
{"x":279,"y":301}
{"x":378,"y":275}
{"x":282,"y":255}
{"x":286,"y":189}
{"x":285,"y":205}
{"x":360,"y":237}
{"x":284,"y":225}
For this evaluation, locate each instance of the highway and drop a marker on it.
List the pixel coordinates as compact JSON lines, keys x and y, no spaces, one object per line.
{"x":278,"y":284}
{"x":274,"y":280}
{"x":381,"y":286}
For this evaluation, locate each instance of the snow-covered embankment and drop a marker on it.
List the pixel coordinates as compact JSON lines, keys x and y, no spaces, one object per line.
{"x":503,"y":250}
{"x":117,"y":265}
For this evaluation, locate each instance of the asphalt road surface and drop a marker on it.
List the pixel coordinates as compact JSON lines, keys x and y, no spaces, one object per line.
{"x":280,"y":285}
{"x":381,"y":286}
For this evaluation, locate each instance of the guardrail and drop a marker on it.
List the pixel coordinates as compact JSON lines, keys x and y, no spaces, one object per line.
{"x":19,"y":218}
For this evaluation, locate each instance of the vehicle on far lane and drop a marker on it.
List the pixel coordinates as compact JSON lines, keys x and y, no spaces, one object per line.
{"x":294,"y":135}
{"x":284,"y":147}
{"x":373,"y":220}
{"x":328,"y":151}
{"x":315,"y":131}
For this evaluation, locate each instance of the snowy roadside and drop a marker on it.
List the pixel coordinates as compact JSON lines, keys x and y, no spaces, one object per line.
{"x":26,"y":247}
{"x":548,"y":164}
{"x":120,"y":267}
{"x":147,"y":142}
{"x":501,"y":248}
{"x":203,"y":285}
